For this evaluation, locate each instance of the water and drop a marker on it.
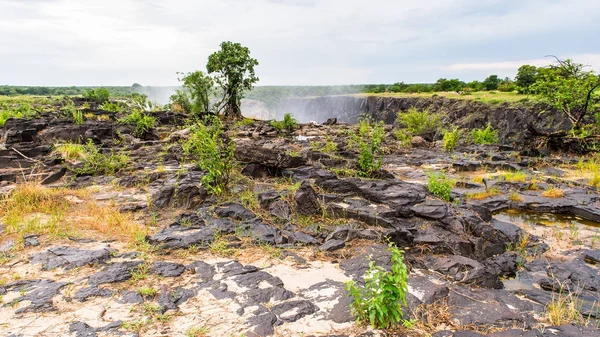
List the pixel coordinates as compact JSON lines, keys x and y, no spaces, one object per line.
{"x":532,"y":219}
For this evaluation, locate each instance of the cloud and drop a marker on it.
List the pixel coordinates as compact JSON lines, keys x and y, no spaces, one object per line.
{"x":70,"y":42}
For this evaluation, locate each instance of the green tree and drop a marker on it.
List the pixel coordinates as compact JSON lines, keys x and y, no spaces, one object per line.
{"x":526,"y":76}
{"x":199,"y":87}
{"x":233,"y":70}
{"x":449,"y":85}
{"x":491,"y":83}
{"x":568,"y":87}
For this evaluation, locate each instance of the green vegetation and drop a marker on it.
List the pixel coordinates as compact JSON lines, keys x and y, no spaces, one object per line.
{"x":451,"y":138}
{"x":380,"y":302}
{"x":22,"y":110}
{"x":213,"y":153}
{"x":112,"y":107}
{"x":485,"y":136}
{"x":96,"y":162}
{"x":233,"y":70}
{"x":99,"y":96}
{"x":195,"y":96}
{"x":140,"y":121}
{"x":419,"y":123}
{"x":288,"y":123}
{"x":369,"y":140}
{"x":70,"y":151}
{"x":71,"y":111}
{"x":440,"y":185}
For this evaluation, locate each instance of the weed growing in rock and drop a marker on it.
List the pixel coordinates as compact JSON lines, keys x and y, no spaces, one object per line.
{"x":147,"y":292}
{"x":96,"y":162}
{"x":197,"y":331}
{"x":451,"y":138}
{"x":517,"y":176}
{"x":140,"y":121}
{"x":288,"y":123}
{"x":71,"y":111}
{"x":515,"y":196}
{"x":369,"y":157}
{"x":70,"y":151}
{"x":404,"y":137}
{"x":214,"y":153}
{"x":99,"y":96}
{"x":490,"y":192}
{"x":563,"y":309}
{"x":22,"y":111}
{"x":112,"y":107}
{"x":420,"y":122}
{"x":440,"y":185}
{"x":380,"y":302}
{"x":553,"y":193}
{"x":488,"y":135}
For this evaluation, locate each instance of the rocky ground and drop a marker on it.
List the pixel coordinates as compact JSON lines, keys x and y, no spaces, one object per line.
{"x":148,"y":252}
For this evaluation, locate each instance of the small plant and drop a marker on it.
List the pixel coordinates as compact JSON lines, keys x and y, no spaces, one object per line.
{"x":420,"y":122}
{"x":451,"y":138}
{"x":112,"y":107}
{"x":553,"y":193}
{"x":147,"y":292}
{"x":369,"y":157}
{"x":288,"y":123}
{"x":518,"y":176}
{"x":595,"y":180}
{"x":141,"y":122}
{"x":99,"y":96}
{"x":404,"y":137}
{"x":70,"y":151}
{"x":197,"y":331}
{"x":485,"y":136}
{"x":24,"y":110}
{"x":516,"y":197}
{"x":490,"y":192}
{"x":440,"y":185}
{"x":96,"y":162}
{"x":563,"y":309}
{"x":380,"y":302}
{"x":214,"y":153}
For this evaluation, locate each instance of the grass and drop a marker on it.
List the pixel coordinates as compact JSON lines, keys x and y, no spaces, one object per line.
{"x":197,"y":331}
{"x":481,"y":96}
{"x":147,"y":291}
{"x":553,"y":193}
{"x":515,"y":177}
{"x":484,"y":194}
{"x":22,"y":110}
{"x":563,"y":309}
{"x":516,"y":197}
{"x":70,"y":151}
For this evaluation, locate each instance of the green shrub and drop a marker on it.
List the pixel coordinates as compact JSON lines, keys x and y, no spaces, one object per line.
{"x":288,"y":123}
{"x":278,"y":125}
{"x":485,"y":136}
{"x":214,"y":153}
{"x":24,"y":110}
{"x":404,"y":137}
{"x":100,"y":95}
{"x":597,"y":117}
{"x":451,"y":138}
{"x":112,"y":107}
{"x":440,"y":185}
{"x":140,"y":121}
{"x":420,"y":122}
{"x":364,"y":127}
{"x":71,"y":111}
{"x":380,"y":302}
{"x":369,"y":157}
{"x":96,"y":162}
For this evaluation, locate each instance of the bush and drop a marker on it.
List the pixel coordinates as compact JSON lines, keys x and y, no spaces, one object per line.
{"x":288,"y":123}
{"x":380,"y":302}
{"x":140,"y":121}
{"x":451,"y":138}
{"x":100,"y":95}
{"x":485,"y":136}
{"x":112,"y":107}
{"x":403,"y":137}
{"x":420,"y":122}
{"x":440,"y":185}
{"x":22,"y":111}
{"x":369,"y":142}
{"x":71,"y":112}
{"x":214,"y":154}
{"x":96,"y":162}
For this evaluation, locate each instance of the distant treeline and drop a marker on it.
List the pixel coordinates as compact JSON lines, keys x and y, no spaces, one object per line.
{"x":9,"y":90}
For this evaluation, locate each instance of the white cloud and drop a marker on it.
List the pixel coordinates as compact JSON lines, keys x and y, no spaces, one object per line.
{"x":65,"y":42}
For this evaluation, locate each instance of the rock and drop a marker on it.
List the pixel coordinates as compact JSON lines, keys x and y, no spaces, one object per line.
{"x":465,"y":270}
{"x":292,"y":311}
{"x":262,"y":232}
{"x":396,"y":194}
{"x":54,"y":176}
{"x":263,"y":325}
{"x":68,"y":258}
{"x":356,"y":267}
{"x":280,"y":209}
{"x":419,"y":142}
{"x":592,"y":256}
{"x":167,"y":269}
{"x":306,"y":199}
{"x":171,"y":300}
{"x":204,"y":271}
{"x":132,"y":297}
{"x":81,"y":329}
{"x":302,"y":238}
{"x":512,"y":231}
{"x":331,"y":121}
{"x":332,"y":245}
{"x":431,"y":209}
{"x":425,"y":290}
{"x":84,"y":294}
{"x":176,"y":237}
{"x":259,"y":171}
{"x":31,"y":241}
{"x":114,"y":272}
{"x":234,"y":211}
{"x":181,"y":191}
{"x":6,"y":246}
{"x":250,"y":153}
{"x":38,"y":292}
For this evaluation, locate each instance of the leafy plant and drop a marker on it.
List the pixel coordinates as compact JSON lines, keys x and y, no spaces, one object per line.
{"x":403,"y":137}
{"x":488,"y":135}
{"x":195,"y":97}
{"x":369,"y":142}
{"x":96,"y":162}
{"x":24,"y":110}
{"x":420,"y":122}
{"x":380,"y":302}
{"x":288,"y":123}
{"x":214,"y":153}
{"x":112,"y":107}
{"x":451,"y":138}
{"x":440,"y":185}
{"x":141,"y":122}
{"x":99,"y":96}
{"x":70,"y":151}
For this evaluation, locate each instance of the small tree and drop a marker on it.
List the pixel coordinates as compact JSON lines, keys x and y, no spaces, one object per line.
{"x":233,"y":70}
{"x":568,"y":87}
{"x":526,"y":77}
{"x":491,"y":83}
{"x":195,"y":95}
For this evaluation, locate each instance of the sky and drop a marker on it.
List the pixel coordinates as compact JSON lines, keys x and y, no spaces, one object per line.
{"x":297,"y":42}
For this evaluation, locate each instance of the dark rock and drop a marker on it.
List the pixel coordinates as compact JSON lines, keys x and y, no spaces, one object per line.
{"x":114,"y":272}
{"x":250,"y":153}
{"x":592,"y":256}
{"x":280,"y":209}
{"x":132,"y":297}
{"x":234,"y":211}
{"x":292,"y":311}
{"x":170,"y":300}
{"x":263,"y":325}
{"x":38,"y":292}
{"x":183,"y":237}
{"x":81,"y":329}
{"x":204,"y":271}
{"x":302,"y":238}
{"x":307,"y":202}
{"x":54,"y":176}
{"x":431,"y":209}
{"x":588,"y":212}
{"x":93,"y":291}
{"x":466,"y":166}
{"x":182,"y":191}
{"x":262,"y":232}
{"x":397,"y":194}
{"x":167,"y":269}
{"x":331,"y":121}
{"x":259,"y":171}
{"x":31,"y":241}
{"x":332,"y":245}
{"x":356,"y":267}
{"x":465,"y":270}
{"x":67,"y":257}
{"x":426,"y":291}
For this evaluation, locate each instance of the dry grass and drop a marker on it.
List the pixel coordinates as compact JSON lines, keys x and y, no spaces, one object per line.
{"x":553,"y":193}
{"x":516,"y":197}
{"x":563,"y":309}
{"x":482,"y":96}
{"x":515,"y":177}
{"x":484,"y":194}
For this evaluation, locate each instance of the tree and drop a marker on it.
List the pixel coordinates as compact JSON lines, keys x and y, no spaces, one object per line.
{"x":491,"y":83}
{"x":233,"y":70}
{"x":199,"y":87}
{"x":449,"y":85}
{"x":526,"y":76}
{"x":568,"y":87}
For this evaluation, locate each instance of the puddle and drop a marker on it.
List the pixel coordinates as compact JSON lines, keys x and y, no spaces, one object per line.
{"x":301,"y":138}
{"x":533,"y":219}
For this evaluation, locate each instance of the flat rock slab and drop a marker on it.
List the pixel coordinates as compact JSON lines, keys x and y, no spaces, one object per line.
{"x":114,"y":272}
{"x":68,"y":257}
